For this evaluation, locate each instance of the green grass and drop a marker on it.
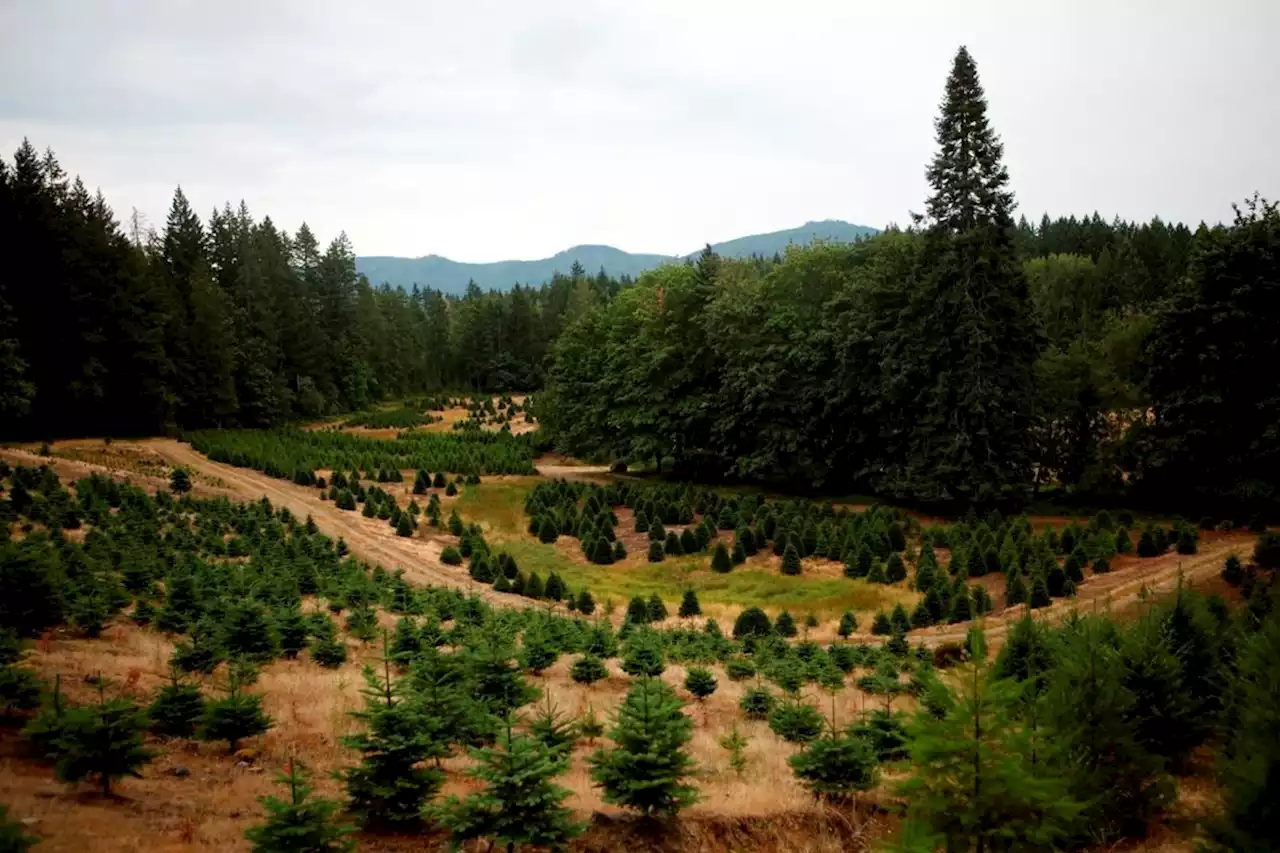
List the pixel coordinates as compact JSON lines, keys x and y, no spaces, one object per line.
{"x":499,"y":509}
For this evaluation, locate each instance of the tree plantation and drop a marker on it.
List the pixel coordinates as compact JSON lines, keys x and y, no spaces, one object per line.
{"x":951,"y":539}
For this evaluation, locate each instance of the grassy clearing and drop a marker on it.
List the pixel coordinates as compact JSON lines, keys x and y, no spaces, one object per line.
{"x":498,"y":506}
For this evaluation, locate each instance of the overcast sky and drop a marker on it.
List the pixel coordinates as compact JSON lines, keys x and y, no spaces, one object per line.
{"x":487,"y":130}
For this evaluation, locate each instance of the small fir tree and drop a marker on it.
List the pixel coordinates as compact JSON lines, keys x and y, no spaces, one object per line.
{"x":735,"y":743}
{"x":689,"y":605}
{"x":103,"y":741}
{"x":757,"y":703}
{"x":301,"y":824}
{"x":648,"y":767}
{"x":720,"y":560}
{"x":657,"y":610}
{"x":177,"y":709}
{"x":180,"y":481}
{"x":791,"y":560}
{"x":785,"y":624}
{"x":835,"y":766}
{"x":700,"y":682}
{"x":848,"y":625}
{"x":234,"y":717}
{"x":519,"y":805}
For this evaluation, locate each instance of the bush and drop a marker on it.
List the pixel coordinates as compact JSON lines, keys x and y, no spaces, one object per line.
{"x":835,"y":766}
{"x":1266,"y":551}
{"x":791,"y":560}
{"x":588,"y":669}
{"x":796,"y":722}
{"x":450,"y":556}
{"x":700,"y":682}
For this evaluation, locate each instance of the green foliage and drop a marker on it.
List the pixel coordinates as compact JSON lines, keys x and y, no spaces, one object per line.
{"x":180,"y":481}
{"x":519,"y":804}
{"x":689,"y":605}
{"x":700,"y":682}
{"x":736,"y":744}
{"x":752,"y":623}
{"x":834,"y":766}
{"x":796,"y":722}
{"x":791,"y":561}
{"x":647,"y":768}
{"x":1266,"y":550}
{"x":588,"y":669}
{"x":102,"y":741}
{"x":785,"y":625}
{"x":234,"y":717}
{"x":301,"y":824}
{"x":19,"y":690}
{"x":177,"y":709}
{"x":13,"y":836}
{"x":720,"y":561}
{"x":390,"y":785}
{"x":757,"y":703}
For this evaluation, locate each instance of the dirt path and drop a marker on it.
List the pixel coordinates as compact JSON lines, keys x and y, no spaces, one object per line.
{"x":1114,"y":592}
{"x":70,"y":469}
{"x":370,"y":539}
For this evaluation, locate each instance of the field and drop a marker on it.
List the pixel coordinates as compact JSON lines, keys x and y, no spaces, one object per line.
{"x":196,"y":797}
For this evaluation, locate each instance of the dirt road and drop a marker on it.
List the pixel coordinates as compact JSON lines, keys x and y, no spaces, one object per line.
{"x":370,"y":539}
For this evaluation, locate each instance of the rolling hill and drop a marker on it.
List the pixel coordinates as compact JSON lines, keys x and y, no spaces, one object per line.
{"x":452,"y":276}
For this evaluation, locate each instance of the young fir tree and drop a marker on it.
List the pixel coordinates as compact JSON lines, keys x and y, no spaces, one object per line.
{"x":689,"y":605}
{"x":1092,"y":713}
{"x":836,"y":765}
{"x":388,"y":788}
{"x":791,"y":560}
{"x":785,"y":624}
{"x":735,"y":743}
{"x":586,"y":604}
{"x":234,"y":717}
{"x":1250,"y":772}
{"x":494,"y":670}
{"x":180,"y":481}
{"x":721,"y":561}
{"x":657,"y":610}
{"x":588,"y":669}
{"x":974,"y":785}
{"x":102,"y":741}
{"x":520,"y":805}
{"x":700,"y":682}
{"x":656,"y":552}
{"x":848,"y":625}
{"x":757,"y":703}
{"x":648,"y":767}
{"x":291,"y":630}
{"x":538,"y":649}
{"x":177,"y":709}
{"x":552,"y":729}
{"x":301,"y":824}
{"x":881,"y":626}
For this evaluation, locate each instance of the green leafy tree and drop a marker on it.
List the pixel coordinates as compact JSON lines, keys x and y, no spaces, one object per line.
{"x":648,"y":766}
{"x":301,"y":824}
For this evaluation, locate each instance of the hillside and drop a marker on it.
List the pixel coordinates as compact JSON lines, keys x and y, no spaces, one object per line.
{"x":452,"y":276}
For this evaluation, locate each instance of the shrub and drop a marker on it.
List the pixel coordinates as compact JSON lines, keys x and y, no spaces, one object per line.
{"x":1266,"y":551}
{"x":450,"y":556}
{"x":700,"y":682}
{"x":720,"y":561}
{"x":791,"y":560}
{"x":752,"y":622}
{"x":757,"y":703}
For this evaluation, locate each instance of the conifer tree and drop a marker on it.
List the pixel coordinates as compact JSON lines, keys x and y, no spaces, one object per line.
{"x":848,"y":625}
{"x":671,"y":545}
{"x":553,"y":729}
{"x":700,"y":682}
{"x":643,"y":657}
{"x":588,"y":669}
{"x":785,"y":624}
{"x":180,"y":481}
{"x":689,"y":605}
{"x":836,"y":765}
{"x":236,"y":716}
{"x":177,"y":709}
{"x":791,"y":560}
{"x":736,"y":744}
{"x":720,"y":560}
{"x":102,"y":741}
{"x":656,"y":552}
{"x":657,"y":610}
{"x":491,"y":661}
{"x":291,"y":630}
{"x":301,"y":824}
{"x":648,"y":766}
{"x":974,"y":784}
{"x":637,"y":611}
{"x":881,"y":626}
{"x":796,"y":722}
{"x":895,"y":570}
{"x":520,"y":805}
{"x":898,"y":620}
{"x":538,"y":649}
{"x":586,"y":604}
{"x":388,"y":788}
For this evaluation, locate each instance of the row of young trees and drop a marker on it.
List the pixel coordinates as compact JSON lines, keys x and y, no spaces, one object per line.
{"x":965,"y":359}
{"x":231,"y":320}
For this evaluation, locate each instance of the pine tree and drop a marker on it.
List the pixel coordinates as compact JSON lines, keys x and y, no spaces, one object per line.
{"x":538,"y":649}
{"x":491,"y":661}
{"x":899,"y":620}
{"x":757,"y":703}
{"x":671,"y":545}
{"x":848,"y":625}
{"x":720,"y":560}
{"x":656,"y":552}
{"x":102,"y":741}
{"x":974,"y":782}
{"x":586,"y":604}
{"x":552,"y":729}
{"x":971,"y":430}
{"x":637,"y":611}
{"x":406,"y":642}
{"x":1092,"y":714}
{"x":301,"y":824}
{"x":785,"y":625}
{"x":177,"y":708}
{"x":643,"y":657}
{"x":647,"y":768}
{"x":588,"y":669}
{"x":689,"y":605}
{"x":237,"y":716}
{"x":387,"y":789}
{"x":895,"y":570}
{"x":180,"y":481}
{"x":881,"y":626}
{"x":700,"y":682}
{"x":656,"y":608}
{"x":291,"y":630}
{"x":836,"y":765}
{"x":519,"y":805}
{"x":736,"y":744}
{"x":796,"y":722}
{"x":791,"y":561}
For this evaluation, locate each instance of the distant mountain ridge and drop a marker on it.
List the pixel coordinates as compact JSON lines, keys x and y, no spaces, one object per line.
{"x":452,"y":276}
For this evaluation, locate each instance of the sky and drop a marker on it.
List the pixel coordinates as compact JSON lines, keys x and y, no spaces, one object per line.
{"x":485,"y":130}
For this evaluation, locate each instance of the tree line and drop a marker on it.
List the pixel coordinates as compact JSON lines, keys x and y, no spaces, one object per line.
{"x":231,"y":321}
{"x":965,"y":359}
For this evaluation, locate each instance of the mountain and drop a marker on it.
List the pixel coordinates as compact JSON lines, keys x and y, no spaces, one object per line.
{"x":452,"y":276}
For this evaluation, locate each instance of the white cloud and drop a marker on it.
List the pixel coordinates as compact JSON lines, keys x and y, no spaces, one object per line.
{"x":492,"y":130}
